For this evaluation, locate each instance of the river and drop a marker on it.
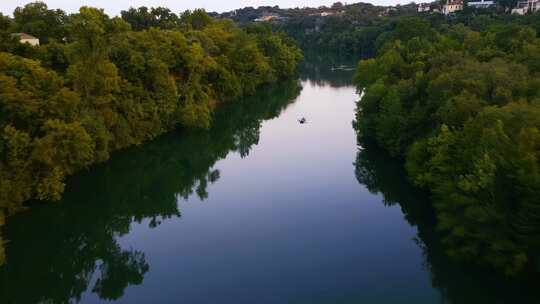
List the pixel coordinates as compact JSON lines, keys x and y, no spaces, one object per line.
{"x":258,"y":209}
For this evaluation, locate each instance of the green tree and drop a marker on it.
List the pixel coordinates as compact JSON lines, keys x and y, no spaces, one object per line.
{"x":36,"y":19}
{"x":197,"y":19}
{"x":461,"y":107}
{"x":69,"y":103}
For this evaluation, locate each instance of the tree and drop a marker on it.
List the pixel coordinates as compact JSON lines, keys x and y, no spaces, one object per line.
{"x":36,"y":19}
{"x":460,"y":107}
{"x":197,"y":19}
{"x":69,"y":103}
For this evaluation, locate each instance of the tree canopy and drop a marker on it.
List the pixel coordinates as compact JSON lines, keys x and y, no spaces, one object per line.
{"x":462,"y":107}
{"x":97,"y":84}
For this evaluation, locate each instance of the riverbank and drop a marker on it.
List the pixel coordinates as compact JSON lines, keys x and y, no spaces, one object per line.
{"x":69,"y":105}
{"x":460,"y":105}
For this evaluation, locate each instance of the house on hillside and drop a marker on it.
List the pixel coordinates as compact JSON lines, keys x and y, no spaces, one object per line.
{"x":526,"y":6}
{"x":269,"y":18}
{"x":325,"y":14}
{"x":26,"y":38}
{"x":452,"y":6}
{"x":481,"y":4}
{"x":424,"y":7}
{"x":388,"y":11}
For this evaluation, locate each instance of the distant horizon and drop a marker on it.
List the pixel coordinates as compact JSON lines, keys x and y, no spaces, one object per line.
{"x":113,"y":8}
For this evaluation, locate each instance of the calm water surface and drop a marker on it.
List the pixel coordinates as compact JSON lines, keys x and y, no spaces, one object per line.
{"x":259,"y":209}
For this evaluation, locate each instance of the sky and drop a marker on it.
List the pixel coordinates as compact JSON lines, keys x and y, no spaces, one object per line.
{"x":113,"y":7}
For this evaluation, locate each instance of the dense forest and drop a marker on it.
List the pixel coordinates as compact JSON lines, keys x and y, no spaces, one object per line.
{"x":340,"y":29}
{"x":97,"y":84}
{"x":169,"y":169}
{"x":457,"y":99}
{"x":460,"y":103}
{"x":458,"y":282}
{"x":351,"y":31}
{"x":360,"y":29}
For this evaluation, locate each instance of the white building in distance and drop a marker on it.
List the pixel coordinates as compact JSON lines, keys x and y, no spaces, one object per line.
{"x":424,"y":7}
{"x":526,"y":6}
{"x":481,"y":4}
{"x":26,"y":38}
{"x":452,"y":6}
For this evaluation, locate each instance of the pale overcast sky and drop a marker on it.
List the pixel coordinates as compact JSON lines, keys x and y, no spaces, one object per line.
{"x":113,"y":7}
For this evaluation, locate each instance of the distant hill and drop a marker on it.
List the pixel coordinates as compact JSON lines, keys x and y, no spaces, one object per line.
{"x":350,"y":12}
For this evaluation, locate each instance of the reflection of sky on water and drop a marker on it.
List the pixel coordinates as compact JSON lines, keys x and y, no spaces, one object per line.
{"x":258,"y":209}
{"x":288,"y":222}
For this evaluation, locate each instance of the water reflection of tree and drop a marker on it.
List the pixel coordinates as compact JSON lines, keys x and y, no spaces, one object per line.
{"x":457,"y":283}
{"x":60,"y":251}
{"x":328,"y":70}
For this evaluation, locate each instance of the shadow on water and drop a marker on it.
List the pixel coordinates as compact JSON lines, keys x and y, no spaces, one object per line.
{"x":457,"y":283}
{"x":59,"y":251}
{"x":328,"y":70}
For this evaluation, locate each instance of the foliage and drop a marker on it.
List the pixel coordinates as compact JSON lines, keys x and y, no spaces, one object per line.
{"x":69,"y":103}
{"x":360,"y":30}
{"x":139,"y":186}
{"x":36,"y":19}
{"x":462,"y":107}
{"x":143,"y":18}
{"x":340,"y":29}
{"x":456,"y":282}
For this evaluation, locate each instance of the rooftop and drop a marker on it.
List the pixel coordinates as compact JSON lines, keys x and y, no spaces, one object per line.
{"x":24,"y":36}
